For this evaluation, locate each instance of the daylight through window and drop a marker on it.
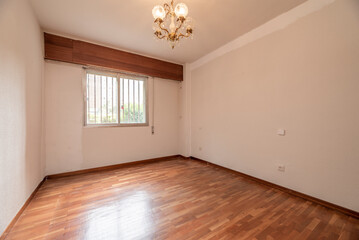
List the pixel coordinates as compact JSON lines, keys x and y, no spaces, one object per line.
{"x":115,"y":99}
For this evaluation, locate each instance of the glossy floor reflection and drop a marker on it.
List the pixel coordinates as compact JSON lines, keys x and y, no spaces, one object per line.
{"x":177,"y":199}
{"x":129,"y":217}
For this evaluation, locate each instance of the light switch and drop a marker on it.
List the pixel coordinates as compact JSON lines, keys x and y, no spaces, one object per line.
{"x":281,"y":132}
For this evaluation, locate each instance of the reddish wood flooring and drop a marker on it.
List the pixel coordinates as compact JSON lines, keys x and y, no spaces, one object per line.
{"x":177,"y":199}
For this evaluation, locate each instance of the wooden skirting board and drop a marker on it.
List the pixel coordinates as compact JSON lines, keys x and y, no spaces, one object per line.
{"x":68,"y":174}
{"x":12,"y":223}
{"x":258,"y":180}
{"x":346,"y":211}
{"x":333,"y":206}
{"x":111,"y":167}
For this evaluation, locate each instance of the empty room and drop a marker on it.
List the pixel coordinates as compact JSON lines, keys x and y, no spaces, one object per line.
{"x":179,"y":119}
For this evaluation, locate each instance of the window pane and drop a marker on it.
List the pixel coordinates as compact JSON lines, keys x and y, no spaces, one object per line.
{"x":133,"y":105}
{"x":124,"y":100}
{"x":113,"y":101}
{"x":102,"y":99}
{"x":98,"y":97}
{"x":90,"y":99}
{"x":142,"y":109}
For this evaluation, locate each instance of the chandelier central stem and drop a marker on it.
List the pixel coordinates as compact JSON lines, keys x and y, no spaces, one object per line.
{"x":173,"y":25}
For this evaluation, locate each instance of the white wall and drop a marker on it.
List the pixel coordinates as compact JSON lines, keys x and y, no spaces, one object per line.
{"x":21,"y":66}
{"x":185,"y":113}
{"x":303,"y":78}
{"x":70,"y":146}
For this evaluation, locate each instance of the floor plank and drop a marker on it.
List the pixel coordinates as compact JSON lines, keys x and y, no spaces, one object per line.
{"x":176,"y":199}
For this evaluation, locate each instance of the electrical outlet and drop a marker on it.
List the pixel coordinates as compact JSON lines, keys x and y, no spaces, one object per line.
{"x":281,"y":168}
{"x":281,"y":132}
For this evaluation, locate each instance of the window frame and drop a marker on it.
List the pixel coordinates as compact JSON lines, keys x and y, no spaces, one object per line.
{"x":118,"y":76}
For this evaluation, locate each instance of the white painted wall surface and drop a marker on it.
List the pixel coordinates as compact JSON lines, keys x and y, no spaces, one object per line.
{"x":185,"y":113}
{"x":303,"y":78}
{"x":70,"y":146}
{"x":21,"y":67}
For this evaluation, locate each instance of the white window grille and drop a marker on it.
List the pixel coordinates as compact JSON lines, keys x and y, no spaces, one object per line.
{"x":115,"y":99}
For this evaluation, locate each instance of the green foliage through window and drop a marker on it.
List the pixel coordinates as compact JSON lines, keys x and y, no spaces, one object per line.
{"x":114,"y":99}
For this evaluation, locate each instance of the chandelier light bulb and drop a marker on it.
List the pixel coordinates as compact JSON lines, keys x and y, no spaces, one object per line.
{"x":181,"y":10}
{"x":158,"y":12}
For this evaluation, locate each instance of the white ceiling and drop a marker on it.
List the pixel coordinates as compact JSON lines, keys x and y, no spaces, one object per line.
{"x":127,"y":24}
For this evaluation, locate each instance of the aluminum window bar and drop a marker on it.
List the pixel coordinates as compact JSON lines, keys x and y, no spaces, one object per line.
{"x":95,"y":99}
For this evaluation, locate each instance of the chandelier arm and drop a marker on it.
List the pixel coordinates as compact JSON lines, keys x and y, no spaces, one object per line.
{"x":183,"y":35}
{"x":164,"y":29}
{"x":160,"y":37}
{"x":167,"y":7}
{"x":179,"y":27}
{"x":168,"y":13}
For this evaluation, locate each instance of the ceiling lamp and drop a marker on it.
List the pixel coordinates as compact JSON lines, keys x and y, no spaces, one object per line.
{"x":171,"y":23}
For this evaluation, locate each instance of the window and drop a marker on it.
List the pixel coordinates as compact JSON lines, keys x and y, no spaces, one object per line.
{"x":115,"y":100}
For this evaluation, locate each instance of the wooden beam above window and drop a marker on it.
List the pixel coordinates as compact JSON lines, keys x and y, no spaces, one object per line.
{"x":79,"y":52}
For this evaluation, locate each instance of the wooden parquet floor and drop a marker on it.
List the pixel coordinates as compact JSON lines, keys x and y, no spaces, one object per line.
{"x":176,"y":199}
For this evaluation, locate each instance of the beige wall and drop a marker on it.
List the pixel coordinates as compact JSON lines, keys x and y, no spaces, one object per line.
{"x":185,"y":113}
{"x":303,"y":78}
{"x":21,"y":65}
{"x":70,"y":146}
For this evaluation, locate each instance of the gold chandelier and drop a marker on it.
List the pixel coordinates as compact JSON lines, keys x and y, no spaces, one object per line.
{"x":175,"y":18}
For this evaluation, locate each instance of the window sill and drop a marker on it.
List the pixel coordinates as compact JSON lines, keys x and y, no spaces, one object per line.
{"x":116,"y":125}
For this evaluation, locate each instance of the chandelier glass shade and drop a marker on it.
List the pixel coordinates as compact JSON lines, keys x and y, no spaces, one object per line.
{"x":171,"y":23}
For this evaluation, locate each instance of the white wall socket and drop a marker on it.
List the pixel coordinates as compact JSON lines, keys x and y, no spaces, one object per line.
{"x":281,"y":132}
{"x":281,"y":168}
